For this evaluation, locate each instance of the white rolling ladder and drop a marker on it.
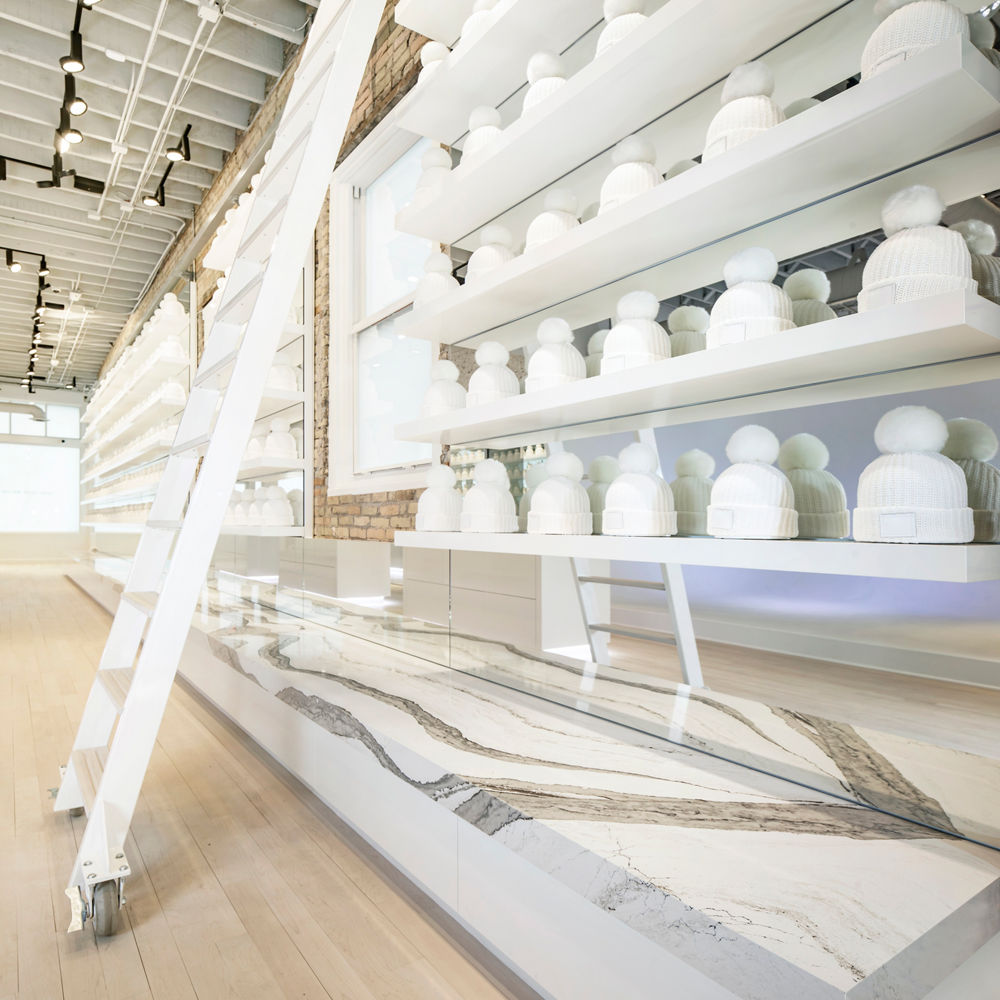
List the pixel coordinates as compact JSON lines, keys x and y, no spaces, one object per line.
{"x":123,"y":713}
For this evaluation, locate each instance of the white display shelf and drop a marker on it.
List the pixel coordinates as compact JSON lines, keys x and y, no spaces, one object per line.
{"x":269,"y":468}
{"x":291,"y":351}
{"x":621,"y":93}
{"x":151,"y":411}
{"x":276,"y":400}
{"x":124,"y":499}
{"x":119,"y":527}
{"x":441,"y":20}
{"x":263,"y":530}
{"x":943,"y":563}
{"x":488,"y":69}
{"x":818,"y":178}
{"x":917,"y":345}
{"x":146,"y":449}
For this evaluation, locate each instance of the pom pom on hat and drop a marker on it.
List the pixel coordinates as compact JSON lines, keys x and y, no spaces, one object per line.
{"x":695,"y":463}
{"x":604,"y":469}
{"x":633,"y":149}
{"x":808,"y":284}
{"x":638,"y":457}
{"x":433,"y":52}
{"x":535,"y":474}
{"x":444,"y":371}
{"x":438,"y":263}
{"x":435,"y":156}
{"x":802,"y":104}
{"x":970,"y":439}
{"x":565,"y":463}
{"x":492,"y":353}
{"x":753,"y":443}
{"x":542,"y":65}
{"x":910,"y":428}
{"x":490,"y":472}
{"x":561,"y":200}
{"x":638,"y":305}
{"x":911,"y":208}
{"x":980,"y":237}
{"x":803,"y":451}
{"x":496,"y":233}
{"x":752,"y":264}
{"x":483,"y":117}
{"x":619,"y":8}
{"x":554,"y":331}
{"x":688,"y":318}
{"x":981,"y":31}
{"x":441,"y":476}
{"x":680,"y":167}
{"x":752,"y":79}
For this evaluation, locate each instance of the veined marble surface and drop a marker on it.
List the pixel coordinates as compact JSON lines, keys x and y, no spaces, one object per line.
{"x":772,"y":889}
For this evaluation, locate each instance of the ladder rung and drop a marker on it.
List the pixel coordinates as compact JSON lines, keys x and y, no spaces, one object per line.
{"x":213,"y":369}
{"x":288,"y":163}
{"x":312,"y":78}
{"x":264,"y":233}
{"x":615,"y":581}
{"x":635,"y":632}
{"x":239,"y":307}
{"x":192,"y":445}
{"x":144,"y":600}
{"x":88,"y":766}
{"x":164,"y":525}
{"x":116,"y":684}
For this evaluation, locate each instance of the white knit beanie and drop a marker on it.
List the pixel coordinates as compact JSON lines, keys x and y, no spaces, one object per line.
{"x":639,"y":502}
{"x":687,"y":326}
{"x":492,"y":380}
{"x":747,"y":110}
{"x":489,"y":506}
{"x":602,"y":473}
{"x":496,"y":248}
{"x":436,"y":281}
{"x":440,"y":505}
{"x":435,"y":170}
{"x":819,"y":496}
{"x":981,"y":239}
{"x":634,"y":173}
{"x":920,"y":258}
{"x":912,"y":493}
{"x":636,"y":339}
{"x":909,"y":27}
{"x":971,"y":444}
{"x":484,"y":130}
{"x":621,"y":17}
{"x":809,"y":291}
{"x":545,"y":76}
{"x":559,"y":503}
{"x":559,"y":217}
{"x":556,"y":361}
{"x":533,"y":475}
{"x":752,"y":306}
{"x":431,"y":57}
{"x":444,"y":394}
{"x":752,"y":499}
{"x":692,"y":490}
{"x":478,"y":21}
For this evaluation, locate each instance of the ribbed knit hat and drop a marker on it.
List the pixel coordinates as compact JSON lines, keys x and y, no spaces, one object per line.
{"x":478,"y":21}
{"x":492,"y":380}
{"x":444,"y":394}
{"x":909,"y":27}
{"x":622,"y":17}
{"x":533,"y":475}
{"x":431,"y":57}
{"x":277,"y":508}
{"x":545,"y":76}
{"x":809,"y":290}
{"x":747,"y":110}
{"x":496,"y":248}
{"x":687,"y":326}
{"x":602,"y":473}
{"x":558,"y":217}
{"x":981,"y":239}
{"x":692,"y":490}
{"x":819,"y":496}
{"x":488,"y":506}
{"x":920,"y":258}
{"x":595,"y":351}
{"x":636,"y":339}
{"x":971,"y":444}
{"x":440,"y":505}
{"x":484,"y":130}
{"x":556,"y":361}
{"x":435,"y":169}
{"x":752,"y":499}
{"x":912,"y":493}
{"x":559,"y":503}
{"x":634,"y":173}
{"x":436,"y":281}
{"x":639,"y":502}
{"x":752,"y":305}
{"x":280,"y":442}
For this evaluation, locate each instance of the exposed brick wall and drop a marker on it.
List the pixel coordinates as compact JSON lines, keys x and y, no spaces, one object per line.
{"x":391,"y":71}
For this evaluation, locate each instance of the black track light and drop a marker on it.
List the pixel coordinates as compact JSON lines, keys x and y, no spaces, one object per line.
{"x":157,"y":200}
{"x":70,"y":135}
{"x":75,"y":105}
{"x":12,"y":265}
{"x":3,"y":168}
{"x":73,"y":63}
{"x":182,"y":151}
{"x":43,"y":268}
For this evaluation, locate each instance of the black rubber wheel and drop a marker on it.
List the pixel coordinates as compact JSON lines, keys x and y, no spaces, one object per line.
{"x":106,"y":909}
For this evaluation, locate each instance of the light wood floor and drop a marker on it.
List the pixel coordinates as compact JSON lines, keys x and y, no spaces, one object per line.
{"x":243,"y":885}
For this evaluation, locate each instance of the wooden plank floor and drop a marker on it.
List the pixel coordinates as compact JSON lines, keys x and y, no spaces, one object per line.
{"x":244,"y":885}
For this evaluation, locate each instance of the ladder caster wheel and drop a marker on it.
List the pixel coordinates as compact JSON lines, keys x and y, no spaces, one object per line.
{"x":76,"y":812}
{"x":106,"y":899}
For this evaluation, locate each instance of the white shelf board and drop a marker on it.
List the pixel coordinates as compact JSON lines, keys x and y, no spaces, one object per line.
{"x":265,"y":468}
{"x":621,"y":93}
{"x":798,"y":186}
{"x":120,"y":528}
{"x":276,"y":400}
{"x":440,"y":20}
{"x":126,"y":499}
{"x":488,"y":69}
{"x":141,"y":418}
{"x":263,"y":531}
{"x":945,"y":563}
{"x":897,"y":349}
{"x":153,"y":447}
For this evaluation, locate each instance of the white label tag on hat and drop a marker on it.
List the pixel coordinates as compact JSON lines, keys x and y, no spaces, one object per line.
{"x":881,"y":297}
{"x":897,"y":525}
{"x":613,"y":519}
{"x":722,"y":517}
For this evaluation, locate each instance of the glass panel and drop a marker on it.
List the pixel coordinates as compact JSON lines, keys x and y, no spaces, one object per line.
{"x":63,"y":422}
{"x":22,"y":423}
{"x":39,"y":488}
{"x":393,"y":261}
{"x":393,"y":373}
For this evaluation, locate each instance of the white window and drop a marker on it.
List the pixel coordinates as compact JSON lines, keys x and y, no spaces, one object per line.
{"x":378,"y":375}
{"x":39,"y":488}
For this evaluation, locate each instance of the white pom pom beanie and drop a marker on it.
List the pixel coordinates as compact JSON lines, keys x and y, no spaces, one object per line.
{"x":621,"y":17}
{"x":920,"y":258}
{"x":444,"y":394}
{"x":687,"y":326}
{"x":819,"y":496}
{"x":634,"y":173}
{"x":559,"y":217}
{"x":692,"y":490}
{"x":559,"y":503}
{"x":747,"y":110}
{"x":639,"y":502}
{"x":809,"y":290}
{"x":440,"y":505}
{"x":489,"y":506}
{"x":981,"y":239}
{"x":636,"y":339}
{"x":971,"y":444}
{"x":912,"y":493}
{"x":492,"y":380}
{"x":556,"y":361}
{"x":752,"y":499}
{"x":752,"y":305}
{"x":910,"y":27}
